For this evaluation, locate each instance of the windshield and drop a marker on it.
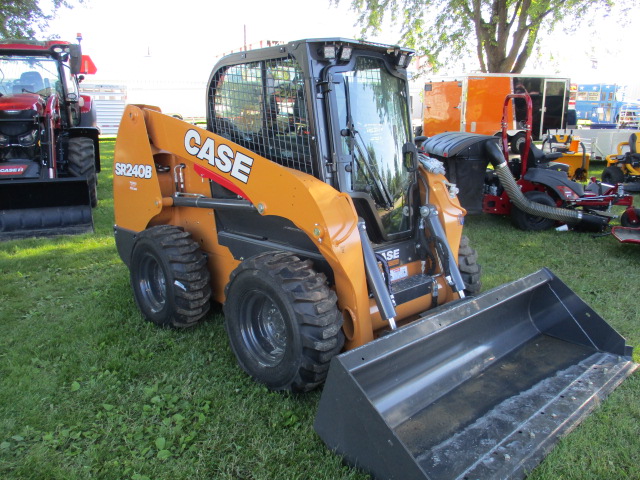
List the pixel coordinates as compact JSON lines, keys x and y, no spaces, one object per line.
{"x":25,"y":74}
{"x":373,"y":113}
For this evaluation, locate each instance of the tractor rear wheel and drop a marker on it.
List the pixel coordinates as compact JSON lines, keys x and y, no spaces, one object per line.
{"x":82,"y":163}
{"x":526,"y":221}
{"x":612,"y":175}
{"x":169,"y":277}
{"x":282,"y":321}
{"x":469,"y":268}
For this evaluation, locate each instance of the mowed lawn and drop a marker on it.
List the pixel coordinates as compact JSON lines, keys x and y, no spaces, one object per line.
{"x":89,"y":390}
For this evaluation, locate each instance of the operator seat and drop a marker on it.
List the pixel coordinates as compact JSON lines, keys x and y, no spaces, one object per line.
{"x":539,"y":159}
{"x":32,"y":81}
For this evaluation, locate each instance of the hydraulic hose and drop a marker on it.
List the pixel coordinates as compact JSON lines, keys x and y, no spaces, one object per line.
{"x":571,"y":217}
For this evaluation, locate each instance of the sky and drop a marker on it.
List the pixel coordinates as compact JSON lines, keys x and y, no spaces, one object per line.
{"x":180,"y":41}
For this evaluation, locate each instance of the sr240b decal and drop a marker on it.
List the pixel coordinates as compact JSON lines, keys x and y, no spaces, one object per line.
{"x":129,"y":170}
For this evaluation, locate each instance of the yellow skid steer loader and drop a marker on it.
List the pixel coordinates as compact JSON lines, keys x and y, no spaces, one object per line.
{"x":307,"y":211}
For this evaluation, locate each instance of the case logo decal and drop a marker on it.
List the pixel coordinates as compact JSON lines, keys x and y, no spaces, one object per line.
{"x":237,"y":165}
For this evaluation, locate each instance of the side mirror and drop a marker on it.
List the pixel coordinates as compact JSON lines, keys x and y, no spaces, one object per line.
{"x":410,"y":157}
{"x":75,"y":58}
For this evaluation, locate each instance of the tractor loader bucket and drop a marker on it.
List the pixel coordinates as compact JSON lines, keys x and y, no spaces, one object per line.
{"x":479,"y":388}
{"x":38,"y":208}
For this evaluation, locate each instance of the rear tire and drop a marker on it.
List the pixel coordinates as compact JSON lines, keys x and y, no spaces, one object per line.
{"x":516,"y":142}
{"x":469,"y":269}
{"x":282,"y":321}
{"x":82,"y":163}
{"x":169,"y":277}
{"x":528,"y":222}
{"x":612,"y":175}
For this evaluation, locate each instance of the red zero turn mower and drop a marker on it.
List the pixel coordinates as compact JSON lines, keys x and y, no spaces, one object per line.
{"x":533,"y":189}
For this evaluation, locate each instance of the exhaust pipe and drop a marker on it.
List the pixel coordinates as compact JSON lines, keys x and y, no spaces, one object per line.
{"x":571,"y":217}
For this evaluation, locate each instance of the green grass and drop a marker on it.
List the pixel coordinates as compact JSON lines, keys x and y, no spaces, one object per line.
{"x":88,"y":389}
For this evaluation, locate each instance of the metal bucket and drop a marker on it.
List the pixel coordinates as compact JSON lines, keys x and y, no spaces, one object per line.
{"x":478,"y":389}
{"x":34,"y":208}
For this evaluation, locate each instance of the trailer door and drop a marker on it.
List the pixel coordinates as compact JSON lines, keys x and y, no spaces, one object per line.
{"x":554,"y":101}
{"x":442,"y":104}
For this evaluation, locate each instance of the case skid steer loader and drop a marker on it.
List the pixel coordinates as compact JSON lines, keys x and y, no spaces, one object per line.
{"x":305,"y":209}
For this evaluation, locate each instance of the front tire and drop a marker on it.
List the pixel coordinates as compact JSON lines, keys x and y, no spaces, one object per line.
{"x":625,"y":221}
{"x":469,"y":269}
{"x":282,"y":321}
{"x":612,"y":175}
{"x":82,"y":163}
{"x":528,"y":222}
{"x":169,"y":277}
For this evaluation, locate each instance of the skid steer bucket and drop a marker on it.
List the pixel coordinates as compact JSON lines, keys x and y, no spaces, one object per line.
{"x":36,"y":208}
{"x":478,"y":389}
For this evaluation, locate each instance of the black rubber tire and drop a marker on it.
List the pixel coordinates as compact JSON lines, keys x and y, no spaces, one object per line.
{"x":625,"y":221}
{"x":169,"y":277}
{"x":527,"y":222}
{"x":612,"y":175}
{"x":82,"y":163}
{"x":469,"y":268}
{"x":282,"y":320}
{"x":516,"y":141}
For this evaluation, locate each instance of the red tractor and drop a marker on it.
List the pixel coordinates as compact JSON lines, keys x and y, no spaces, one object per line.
{"x":49,"y":151}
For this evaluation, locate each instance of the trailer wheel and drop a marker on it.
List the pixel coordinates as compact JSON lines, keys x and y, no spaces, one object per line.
{"x":282,"y":321}
{"x":169,"y":277}
{"x":517,"y":141}
{"x":625,"y":221}
{"x":612,"y":175}
{"x":82,"y":163}
{"x":469,"y":269}
{"x":526,"y":221}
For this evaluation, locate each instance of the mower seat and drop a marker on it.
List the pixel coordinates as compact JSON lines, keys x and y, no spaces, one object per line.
{"x":539,"y":159}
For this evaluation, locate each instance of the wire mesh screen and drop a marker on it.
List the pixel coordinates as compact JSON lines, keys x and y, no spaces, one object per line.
{"x":262,"y":106}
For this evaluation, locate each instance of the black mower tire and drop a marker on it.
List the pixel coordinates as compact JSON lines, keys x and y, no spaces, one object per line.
{"x":625,"y":221}
{"x":469,"y":268}
{"x":528,"y":222}
{"x":517,"y":141}
{"x":169,"y":277}
{"x":612,"y":175}
{"x":82,"y":163}
{"x":282,"y":320}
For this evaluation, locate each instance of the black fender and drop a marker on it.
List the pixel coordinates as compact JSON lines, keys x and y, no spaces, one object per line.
{"x":553,"y":179}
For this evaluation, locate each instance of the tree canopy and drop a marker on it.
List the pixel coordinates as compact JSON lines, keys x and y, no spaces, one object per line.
{"x":502,"y":33}
{"x":25,"y":18}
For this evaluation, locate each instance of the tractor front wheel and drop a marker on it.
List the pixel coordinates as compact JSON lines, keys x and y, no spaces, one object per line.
{"x":282,"y":321}
{"x":169,"y":277}
{"x":82,"y":163}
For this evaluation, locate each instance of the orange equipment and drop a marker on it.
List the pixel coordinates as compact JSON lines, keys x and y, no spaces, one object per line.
{"x":473,"y":103}
{"x":306,"y":210}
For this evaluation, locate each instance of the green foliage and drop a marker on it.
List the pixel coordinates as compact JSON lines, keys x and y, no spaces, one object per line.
{"x":89,"y":390}
{"x":504,"y":32}
{"x":25,"y":18}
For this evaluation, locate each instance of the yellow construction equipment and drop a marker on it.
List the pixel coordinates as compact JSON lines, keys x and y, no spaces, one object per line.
{"x":336,"y":249}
